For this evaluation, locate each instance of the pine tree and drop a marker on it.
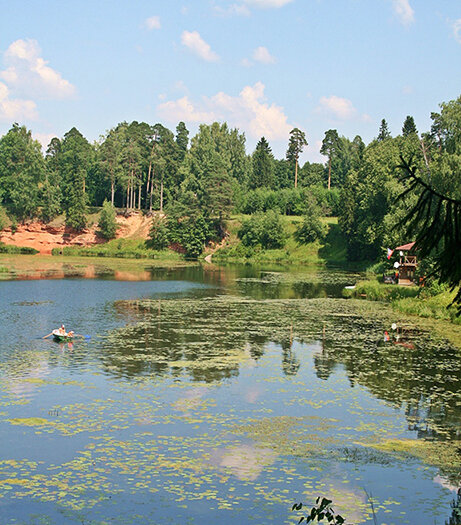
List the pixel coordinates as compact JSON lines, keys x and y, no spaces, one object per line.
{"x":295,"y":147}
{"x":331,"y":145}
{"x":384,"y":132}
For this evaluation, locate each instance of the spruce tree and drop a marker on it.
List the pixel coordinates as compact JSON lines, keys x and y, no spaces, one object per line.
{"x":263,"y":166}
{"x":409,"y":127}
{"x":384,"y":132}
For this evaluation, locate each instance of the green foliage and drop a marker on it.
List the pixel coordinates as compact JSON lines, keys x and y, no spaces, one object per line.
{"x":4,"y":220}
{"x":322,"y":510}
{"x":431,"y":301}
{"x":331,"y":146}
{"x":311,"y":229}
{"x":434,"y":220}
{"x":22,"y":170}
{"x":409,"y":126}
{"x":384,"y":132}
{"x":107,"y":223}
{"x":263,"y":166}
{"x":24,"y":250}
{"x":158,"y":234}
{"x":265,"y":230}
{"x":190,"y":234}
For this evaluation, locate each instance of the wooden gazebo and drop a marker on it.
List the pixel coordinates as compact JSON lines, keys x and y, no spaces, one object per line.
{"x":407,"y":264}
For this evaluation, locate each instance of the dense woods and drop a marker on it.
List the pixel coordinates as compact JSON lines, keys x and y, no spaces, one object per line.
{"x":199,"y":182}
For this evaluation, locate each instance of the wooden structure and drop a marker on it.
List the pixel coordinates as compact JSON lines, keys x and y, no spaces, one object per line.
{"x":407,"y":264}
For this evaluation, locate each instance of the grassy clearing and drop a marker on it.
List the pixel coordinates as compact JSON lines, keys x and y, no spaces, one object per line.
{"x":333,"y":250}
{"x":428,"y":302}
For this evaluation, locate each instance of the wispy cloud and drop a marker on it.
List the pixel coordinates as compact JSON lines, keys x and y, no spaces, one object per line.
{"x":15,"y":109}
{"x":249,"y":111}
{"x":29,"y":73}
{"x":261,"y":54}
{"x":231,"y":10}
{"x":267,"y":4}
{"x":457,"y":30}
{"x":337,"y":107}
{"x":193,"y":41}
{"x":153,"y":22}
{"x":404,"y":11}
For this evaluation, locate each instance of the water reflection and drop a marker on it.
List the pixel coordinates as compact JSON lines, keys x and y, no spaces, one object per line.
{"x":221,"y":392}
{"x":209,"y":340}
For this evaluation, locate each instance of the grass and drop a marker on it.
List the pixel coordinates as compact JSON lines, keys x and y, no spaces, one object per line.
{"x":119,"y":248}
{"x":332,"y":250}
{"x":429,"y":302}
{"x":10,"y":249}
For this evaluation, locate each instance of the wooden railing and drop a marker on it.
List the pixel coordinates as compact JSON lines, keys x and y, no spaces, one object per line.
{"x":410,"y":259}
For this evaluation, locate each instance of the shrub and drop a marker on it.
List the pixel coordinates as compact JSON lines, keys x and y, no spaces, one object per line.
{"x":24,"y":250}
{"x":158,"y":234}
{"x":107,"y":223}
{"x":263,"y":229}
{"x":191,"y":233}
{"x":310,"y":230}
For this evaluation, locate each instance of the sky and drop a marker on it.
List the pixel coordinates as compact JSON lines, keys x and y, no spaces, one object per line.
{"x":263,"y":66}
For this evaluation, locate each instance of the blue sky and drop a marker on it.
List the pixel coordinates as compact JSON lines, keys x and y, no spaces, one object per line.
{"x":263,"y":66}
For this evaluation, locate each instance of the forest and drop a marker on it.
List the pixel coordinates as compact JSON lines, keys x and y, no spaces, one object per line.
{"x":197,"y":183}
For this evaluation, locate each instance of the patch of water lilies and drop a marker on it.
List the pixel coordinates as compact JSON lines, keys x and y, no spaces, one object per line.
{"x":232,"y":405}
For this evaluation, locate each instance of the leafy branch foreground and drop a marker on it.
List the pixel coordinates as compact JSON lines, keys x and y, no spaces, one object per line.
{"x":320,"y":511}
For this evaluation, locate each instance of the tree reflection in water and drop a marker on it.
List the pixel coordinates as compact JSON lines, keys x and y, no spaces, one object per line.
{"x":209,"y":339}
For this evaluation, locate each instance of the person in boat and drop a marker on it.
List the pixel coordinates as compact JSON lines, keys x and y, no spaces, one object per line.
{"x":62,"y":330}
{"x":70,"y":334}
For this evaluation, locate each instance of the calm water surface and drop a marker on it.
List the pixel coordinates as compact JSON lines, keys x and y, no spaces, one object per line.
{"x":219,"y":395}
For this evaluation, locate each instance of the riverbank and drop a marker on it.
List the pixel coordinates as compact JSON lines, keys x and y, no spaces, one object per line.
{"x":433,"y":301}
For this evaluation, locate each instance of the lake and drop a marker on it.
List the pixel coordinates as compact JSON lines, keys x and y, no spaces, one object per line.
{"x":209,"y":394}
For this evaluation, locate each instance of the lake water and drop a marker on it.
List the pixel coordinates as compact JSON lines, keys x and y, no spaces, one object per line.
{"x":219,"y":395}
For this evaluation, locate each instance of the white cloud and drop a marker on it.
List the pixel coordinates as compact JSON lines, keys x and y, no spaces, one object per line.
{"x":457,"y":30}
{"x":183,"y":109}
{"x":267,"y":4}
{"x":28,"y":72}
{"x":248,"y":111}
{"x":232,"y":10}
{"x":153,"y":22}
{"x":404,"y":11}
{"x":43,"y":138}
{"x":337,"y":107}
{"x":246,"y":63}
{"x":15,"y":109}
{"x":261,"y":54}
{"x":198,"y":46}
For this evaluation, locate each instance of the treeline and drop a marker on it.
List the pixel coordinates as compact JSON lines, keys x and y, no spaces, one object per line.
{"x":199,"y":182}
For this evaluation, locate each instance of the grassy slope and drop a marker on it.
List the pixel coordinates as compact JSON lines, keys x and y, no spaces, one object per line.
{"x":431,"y":302}
{"x":333,"y":250}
